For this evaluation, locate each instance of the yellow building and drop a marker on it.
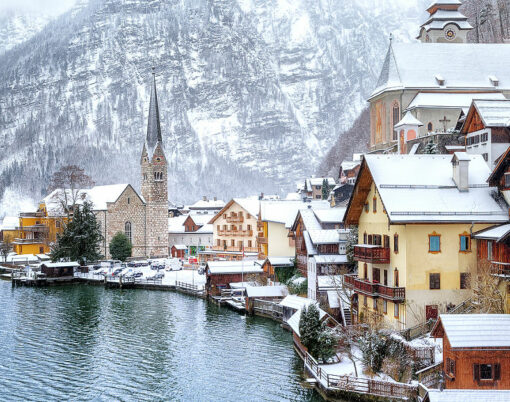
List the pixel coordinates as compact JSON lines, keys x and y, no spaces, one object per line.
{"x":415,"y":215}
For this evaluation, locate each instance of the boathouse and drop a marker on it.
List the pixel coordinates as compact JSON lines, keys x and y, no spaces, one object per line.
{"x":58,"y":269}
{"x":476,"y":350}
{"x":220,"y":274}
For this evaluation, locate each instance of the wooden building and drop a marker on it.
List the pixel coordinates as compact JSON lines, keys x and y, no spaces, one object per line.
{"x":272,"y":265}
{"x":220,"y":274}
{"x":59,"y":269}
{"x":178,"y":251}
{"x":476,"y":350}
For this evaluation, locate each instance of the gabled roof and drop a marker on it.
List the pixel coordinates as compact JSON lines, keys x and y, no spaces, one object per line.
{"x":207,"y":204}
{"x":284,"y":211}
{"x":494,"y":113}
{"x":450,"y":100}
{"x":266,"y":291}
{"x":474,"y":330}
{"x":249,"y":205}
{"x":409,"y":120}
{"x":500,"y":168}
{"x":497,"y":233}
{"x":323,"y":236}
{"x":420,"y":188}
{"x":280,"y":261}
{"x":176,"y":224}
{"x":235,"y":267}
{"x":464,"y":66}
{"x":330,"y":215}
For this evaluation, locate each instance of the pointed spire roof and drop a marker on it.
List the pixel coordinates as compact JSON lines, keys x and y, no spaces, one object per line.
{"x":153,"y":125}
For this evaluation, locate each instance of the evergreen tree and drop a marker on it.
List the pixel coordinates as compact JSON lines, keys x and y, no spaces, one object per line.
{"x":120,"y":247}
{"x":373,"y":350}
{"x":327,"y":343}
{"x":326,"y":189}
{"x":431,"y":147}
{"x":81,"y":237}
{"x":310,"y":327}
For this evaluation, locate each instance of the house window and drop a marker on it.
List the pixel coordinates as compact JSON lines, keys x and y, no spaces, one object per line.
{"x":365,"y":303}
{"x":365,"y":271}
{"x":374,"y":205}
{"x":465,"y":243}
{"x":218,"y":242}
{"x":317,"y":187}
{"x":464,"y":280}
{"x":386,"y":241}
{"x":429,"y":127}
{"x":365,"y":238}
{"x":507,"y":180}
{"x":318,"y":197}
{"x":375,"y":304}
{"x":127,"y":230}
{"x":232,"y":243}
{"x":249,"y":243}
{"x":450,"y":367}
{"x":248,"y":227}
{"x":366,"y":207}
{"x":385,"y":307}
{"x":385,"y":277}
{"x":490,"y":372}
{"x":396,"y":118}
{"x":434,"y":281}
{"x":369,"y":239}
{"x":485,"y":137}
{"x":434,"y":243}
{"x":395,"y":310}
{"x":395,"y":243}
{"x":395,"y":278}
{"x":489,"y":250}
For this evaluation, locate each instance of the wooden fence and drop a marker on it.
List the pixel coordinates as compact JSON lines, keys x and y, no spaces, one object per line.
{"x":418,"y":330}
{"x":430,"y":376}
{"x":333,"y":382}
{"x":187,"y":286}
{"x":268,"y":308}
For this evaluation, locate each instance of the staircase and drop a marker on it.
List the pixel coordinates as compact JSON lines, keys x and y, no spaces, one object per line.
{"x":347,"y":316}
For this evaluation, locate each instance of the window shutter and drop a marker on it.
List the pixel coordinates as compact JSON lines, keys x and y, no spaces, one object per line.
{"x":497,"y":371}
{"x":453,"y":367}
{"x":476,"y":372}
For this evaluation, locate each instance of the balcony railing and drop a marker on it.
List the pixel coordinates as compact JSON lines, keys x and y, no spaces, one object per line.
{"x":262,"y":239}
{"x":28,"y":241}
{"x":374,"y":289}
{"x":500,"y":268}
{"x":247,"y":233}
{"x":34,"y":228}
{"x":31,"y":214}
{"x":236,"y":249}
{"x":235,"y":219}
{"x":372,"y":254}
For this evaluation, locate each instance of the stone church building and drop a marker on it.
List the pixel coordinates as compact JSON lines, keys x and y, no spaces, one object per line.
{"x":120,"y":208}
{"x":436,"y":78}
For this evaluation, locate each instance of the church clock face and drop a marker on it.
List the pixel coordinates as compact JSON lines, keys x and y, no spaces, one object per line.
{"x":450,"y":34}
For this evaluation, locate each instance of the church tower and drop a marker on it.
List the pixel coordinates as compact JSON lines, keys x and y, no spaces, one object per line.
{"x":446,"y":24}
{"x":155,"y":182}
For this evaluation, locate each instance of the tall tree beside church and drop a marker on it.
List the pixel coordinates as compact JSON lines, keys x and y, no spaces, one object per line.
{"x":81,"y":237}
{"x":69,"y":180}
{"x":120,"y":247}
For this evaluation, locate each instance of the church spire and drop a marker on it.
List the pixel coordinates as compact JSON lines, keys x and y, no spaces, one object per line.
{"x":153,"y":125}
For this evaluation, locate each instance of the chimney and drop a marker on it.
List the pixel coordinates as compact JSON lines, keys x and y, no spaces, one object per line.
{"x":204,"y":198}
{"x":460,"y":163}
{"x":261,"y":197}
{"x":215,"y":199}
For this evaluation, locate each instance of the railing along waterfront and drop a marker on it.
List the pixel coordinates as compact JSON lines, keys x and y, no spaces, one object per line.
{"x":268,"y":308}
{"x":374,"y":289}
{"x":187,"y":286}
{"x":334,"y":382}
{"x":372,"y":254}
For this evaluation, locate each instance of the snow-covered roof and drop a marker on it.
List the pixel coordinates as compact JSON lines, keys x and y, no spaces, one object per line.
{"x":445,"y":100}
{"x":466,"y":395}
{"x":284,"y":211}
{"x":293,"y":321}
{"x":421,"y":188}
{"x":348,"y":165}
{"x":444,"y":2}
{"x":333,"y":299}
{"x":22,"y":258}
{"x":9,"y":223}
{"x":329,"y":281}
{"x":476,"y":330}
{"x":179,"y":246}
{"x":310,"y":221}
{"x":43,"y":257}
{"x":464,"y":66}
{"x":293,"y":197}
{"x":207,"y":204}
{"x":497,"y":233}
{"x":200,"y":219}
{"x":494,"y":113}
{"x":206,"y":229}
{"x":310,"y":248}
{"x":330,"y":215}
{"x":281,"y":261}
{"x":176,"y":224}
{"x":330,"y":259}
{"x":249,"y":204}
{"x":296,"y":302}
{"x":266,"y":291}
{"x":323,"y":236}
{"x":409,"y":120}
{"x":61,"y":264}
{"x":317,"y":181}
{"x":234,"y":267}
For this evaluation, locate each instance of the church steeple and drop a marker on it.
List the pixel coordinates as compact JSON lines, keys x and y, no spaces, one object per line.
{"x":445,"y":24}
{"x":153,"y":125}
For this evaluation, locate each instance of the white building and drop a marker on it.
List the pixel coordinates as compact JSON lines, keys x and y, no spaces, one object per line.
{"x":191,"y":231}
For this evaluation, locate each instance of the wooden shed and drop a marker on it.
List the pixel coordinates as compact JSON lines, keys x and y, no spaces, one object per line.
{"x":476,"y":350}
{"x":59,"y":269}
{"x":178,"y":251}
{"x":221,"y":273}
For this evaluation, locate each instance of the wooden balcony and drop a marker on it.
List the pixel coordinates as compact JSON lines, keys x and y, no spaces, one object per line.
{"x":500,"y":268}
{"x":372,"y":254}
{"x":235,"y":233}
{"x":373,"y":289}
{"x":236,"y":249}
{"x":28,"y":241}
{"x":31,"y":214}
{"x":261,"y":239}
{"x":235,"y":219}
{"x":34,"y":228}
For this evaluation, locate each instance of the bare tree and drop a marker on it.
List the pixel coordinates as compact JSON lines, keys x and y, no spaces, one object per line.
{"x":6,"y":247}
{"x":69,"y":182}
{"x":487,"y":295}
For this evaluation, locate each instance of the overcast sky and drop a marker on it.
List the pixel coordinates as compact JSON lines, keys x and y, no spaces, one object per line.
{"x":39,"y":6}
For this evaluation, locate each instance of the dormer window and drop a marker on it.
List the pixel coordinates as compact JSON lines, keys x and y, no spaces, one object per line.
{"x":439,"y":79}
{"x":494,"y":80}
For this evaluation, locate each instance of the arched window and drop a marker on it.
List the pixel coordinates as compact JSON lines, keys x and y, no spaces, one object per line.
{"x":430,"y":127}
{"x":395,"y":113}
{"x":127,"y":231}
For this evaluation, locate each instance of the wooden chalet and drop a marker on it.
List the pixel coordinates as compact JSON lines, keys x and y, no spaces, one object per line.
{"x":220,"y":274}
{"x":476,"y":350}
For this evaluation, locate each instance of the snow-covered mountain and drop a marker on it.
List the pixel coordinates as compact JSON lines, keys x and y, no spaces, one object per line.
{"x":252,"y":93}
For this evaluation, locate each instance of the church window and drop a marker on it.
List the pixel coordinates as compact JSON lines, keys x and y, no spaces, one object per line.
{"x":127,"y":230}
{"x":430,"y":127}
{"x":396,"y":118}
{"x":129,"y":200}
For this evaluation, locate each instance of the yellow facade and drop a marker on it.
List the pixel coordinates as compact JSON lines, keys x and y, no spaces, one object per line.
{"x":413,"y":263}
{"x":37,"y":231}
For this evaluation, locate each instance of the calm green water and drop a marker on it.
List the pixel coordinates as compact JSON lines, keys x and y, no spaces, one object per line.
{"x":89,"y":343}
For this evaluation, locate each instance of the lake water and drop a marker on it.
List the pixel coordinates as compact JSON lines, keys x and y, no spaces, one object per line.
{"x":84,"y":342}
